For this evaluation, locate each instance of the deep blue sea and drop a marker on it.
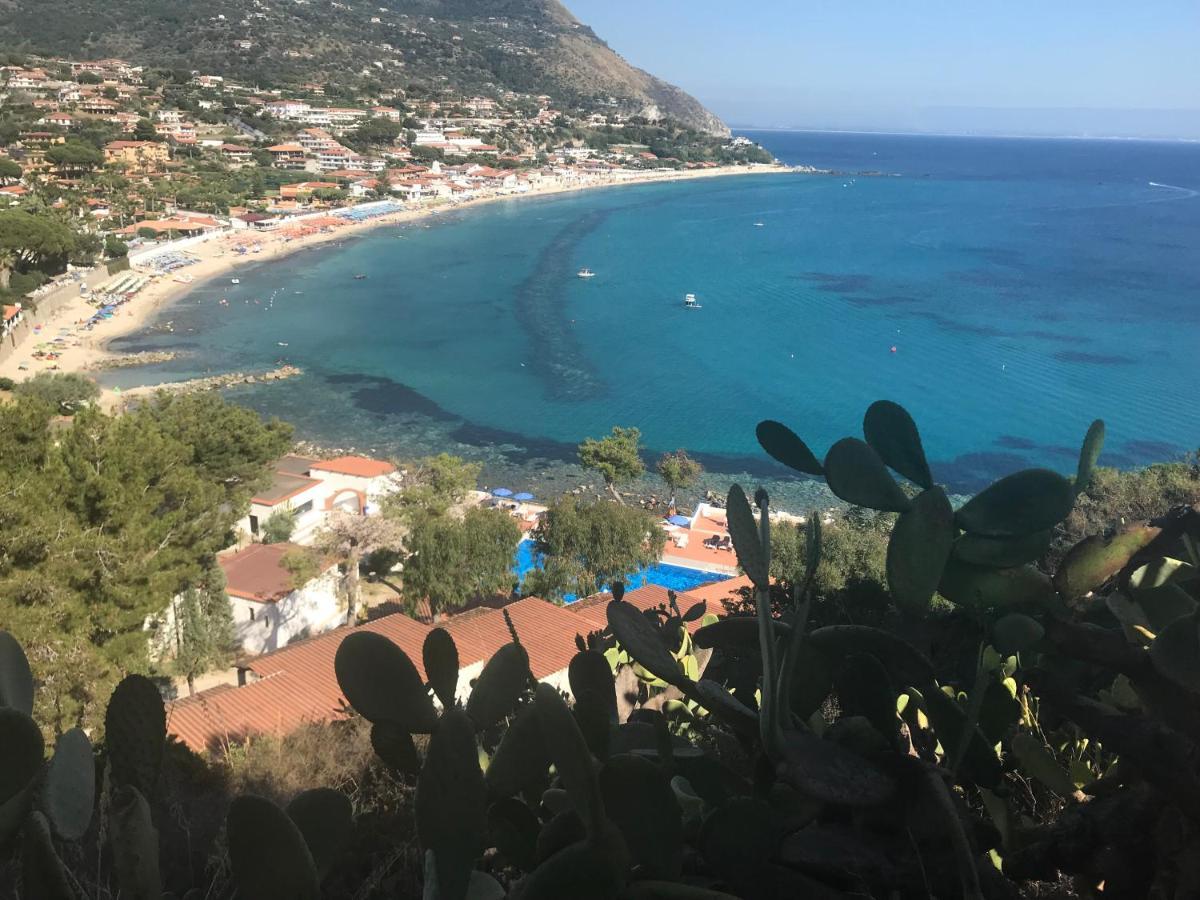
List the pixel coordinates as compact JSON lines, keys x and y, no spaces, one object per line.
{"x":1026,"y":286}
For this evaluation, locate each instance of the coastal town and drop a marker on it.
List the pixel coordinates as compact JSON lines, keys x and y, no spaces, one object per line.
{"x":154,"y":184}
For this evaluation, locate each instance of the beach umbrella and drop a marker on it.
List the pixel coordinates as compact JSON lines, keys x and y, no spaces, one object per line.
{"x":679,"y":520}
{"x":501,"y":492}
{"x":523,"y":496}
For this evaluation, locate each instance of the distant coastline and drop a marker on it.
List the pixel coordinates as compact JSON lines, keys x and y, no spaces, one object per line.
{"x":216,"y":258}
{"x":967,"y":134}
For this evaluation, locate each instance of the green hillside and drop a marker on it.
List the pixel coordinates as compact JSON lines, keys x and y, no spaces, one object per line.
{"x":422,"y":46}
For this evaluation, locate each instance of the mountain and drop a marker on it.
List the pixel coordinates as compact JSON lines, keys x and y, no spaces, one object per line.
{"x":424,"y":46}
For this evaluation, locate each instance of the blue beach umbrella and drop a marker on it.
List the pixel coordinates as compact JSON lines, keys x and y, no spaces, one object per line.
{"x":501,"y":492}
{"x":523,"y":496}
{"x":679,"y":520}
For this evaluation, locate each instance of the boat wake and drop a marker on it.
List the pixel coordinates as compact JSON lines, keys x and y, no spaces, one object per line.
{"x":1186,"y":192}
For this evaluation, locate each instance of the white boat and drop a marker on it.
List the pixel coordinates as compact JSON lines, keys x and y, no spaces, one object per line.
{"x":690,"y":302}
{"x":235,"y":281}
{"x":758,"y":224}
{"x":586,"y":273}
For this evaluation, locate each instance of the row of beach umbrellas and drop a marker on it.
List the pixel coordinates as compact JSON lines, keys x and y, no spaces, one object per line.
{"x":522,"y":496}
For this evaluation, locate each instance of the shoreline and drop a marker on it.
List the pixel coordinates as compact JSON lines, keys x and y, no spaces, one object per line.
{"x":217,"y":257}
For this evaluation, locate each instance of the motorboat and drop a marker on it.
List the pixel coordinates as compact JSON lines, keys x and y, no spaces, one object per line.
{"x":586,"y":273}
{"x":690,"y":302}
{"x":359,"y":277}
{"x":235,"y":281}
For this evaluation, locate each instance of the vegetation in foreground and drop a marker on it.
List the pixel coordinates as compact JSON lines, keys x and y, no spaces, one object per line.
{"x":1007,"y":726}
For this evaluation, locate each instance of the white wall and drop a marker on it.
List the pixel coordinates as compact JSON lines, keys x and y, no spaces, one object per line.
{"x":312,"y":609}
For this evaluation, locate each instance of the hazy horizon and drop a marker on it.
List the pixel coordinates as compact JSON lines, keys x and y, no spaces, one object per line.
{"x":1102,"y":69}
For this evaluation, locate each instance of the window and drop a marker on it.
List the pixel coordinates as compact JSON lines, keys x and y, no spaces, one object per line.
{"x":302,"y":508}
{"x":252,"y":614}
{"x":254,"y":524}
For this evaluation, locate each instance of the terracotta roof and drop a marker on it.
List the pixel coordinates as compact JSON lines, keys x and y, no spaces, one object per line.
{"x":297,"y":685}
{"x":592,"y":609}
{"x":286,"y":148}
{"x":546,"y":630}
{"x":359,"y":466}
{"x":10,"y":312}
{"x":256,"y":572}
{"x":718,"y":593}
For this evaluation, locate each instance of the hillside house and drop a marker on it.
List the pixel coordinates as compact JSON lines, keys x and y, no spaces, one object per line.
{"x":137,"y":156}
{"x":269,"y":611}
{"x":287,"y":156}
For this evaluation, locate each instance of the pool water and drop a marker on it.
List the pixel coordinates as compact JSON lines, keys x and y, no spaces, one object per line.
{"x":675,"y":578}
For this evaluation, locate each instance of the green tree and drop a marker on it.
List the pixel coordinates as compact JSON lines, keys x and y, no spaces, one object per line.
{"x":39,"y":240}
{"x":278,"y":527}
{"x":114,"y":247}
{"x":450,"y":561}
{"x":203,"y":638}
{"x":102,"y":524}
{"x":679,"y":471}
{"x":351,"y":537}
{"x":64,"y":392}
{"x":10,"y":171}
{"x":144,"y":131}
{"x":616,"y":457}
{"x":432,"y":487}
{"x":586,"y":546}
{"x":75,"y":156}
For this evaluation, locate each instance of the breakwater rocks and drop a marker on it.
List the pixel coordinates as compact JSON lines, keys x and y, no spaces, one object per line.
{"x":220,"y":382}
{"x":129,"y":360}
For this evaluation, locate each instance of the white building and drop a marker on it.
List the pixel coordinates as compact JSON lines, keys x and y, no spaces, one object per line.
{"x":312,"y":489}
{"x":269,"y":611}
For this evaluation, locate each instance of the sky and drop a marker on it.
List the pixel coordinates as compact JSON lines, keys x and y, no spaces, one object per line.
{"x":1021,"y":66}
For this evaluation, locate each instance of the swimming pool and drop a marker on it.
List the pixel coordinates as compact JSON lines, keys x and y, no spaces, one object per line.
{"x":675,"y":578}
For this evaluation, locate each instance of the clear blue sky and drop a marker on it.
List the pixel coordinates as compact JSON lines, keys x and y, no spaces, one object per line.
{"x":924,"y":64}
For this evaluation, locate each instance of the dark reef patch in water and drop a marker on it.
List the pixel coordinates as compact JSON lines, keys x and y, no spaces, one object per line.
{"x":1012,"y":442}
{"x":1098,"y":359}
{"x":557,"y":357}
{"x":385,"y":397}
{"x":849,"y":283}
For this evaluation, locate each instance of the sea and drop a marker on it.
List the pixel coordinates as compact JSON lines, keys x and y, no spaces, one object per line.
{"x":1006,"y":291}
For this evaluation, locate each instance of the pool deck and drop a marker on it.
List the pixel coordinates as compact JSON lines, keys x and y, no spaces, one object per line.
{"x":694,"y":555}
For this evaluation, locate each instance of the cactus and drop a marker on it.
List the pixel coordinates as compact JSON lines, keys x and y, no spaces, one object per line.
{"x":1089,"y":453}
{"x":892,"y":433}
{"x":918,"y":551}
{"x":325,"y":819}
{"x":785,"y":446}
{"x":382,"y":684}
{"x":1176,"y":652}
{"x":16,"y":678}
{"x":450,"y":805}
{"x":1016,"y":633}
{"x":638,"y":799}
{"x":267,"y":851}
{"x":595,"y":693}
{"x":1094,"y":560}
{"x":1037,"y":762}
{"x":21,"y":749}
{"x":134,"y":842}
{"x":1005,"y":552}
{"x":1021,"y":503}
{"x":503,"y":679}
{"x":135,"y":732}
{"x":857,"y":474}
{"x":520,"y":763}
{"x":440,"y":656}
{"x":978,"y":587}
{"x":395,"y":747}
{"x":44,"y":875}
{"x":69,"y":790}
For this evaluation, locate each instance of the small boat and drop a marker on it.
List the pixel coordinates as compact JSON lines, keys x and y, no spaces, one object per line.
{"x":235,"y":281}
{"x":758,"y":225}
{"x":359,"y":277}
{"x":586,"y":273}
{"x":281,"y":343}
{"x":690,"y":302}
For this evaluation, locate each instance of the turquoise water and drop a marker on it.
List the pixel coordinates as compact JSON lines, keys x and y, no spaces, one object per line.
{"x":1027,"y":287}
{"x":675,"y":578}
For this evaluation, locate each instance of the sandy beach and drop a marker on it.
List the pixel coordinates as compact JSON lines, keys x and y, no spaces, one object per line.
{"x":62,"y":312}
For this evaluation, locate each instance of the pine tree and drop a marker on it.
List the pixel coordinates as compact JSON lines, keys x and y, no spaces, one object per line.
{"x":204,"y":636}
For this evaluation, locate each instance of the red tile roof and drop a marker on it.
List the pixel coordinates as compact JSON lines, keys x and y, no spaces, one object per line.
{"x":359,"y":466}
{"x":592,"y":609}
{"x":256,"y":572}
{"x":546,"y":630}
